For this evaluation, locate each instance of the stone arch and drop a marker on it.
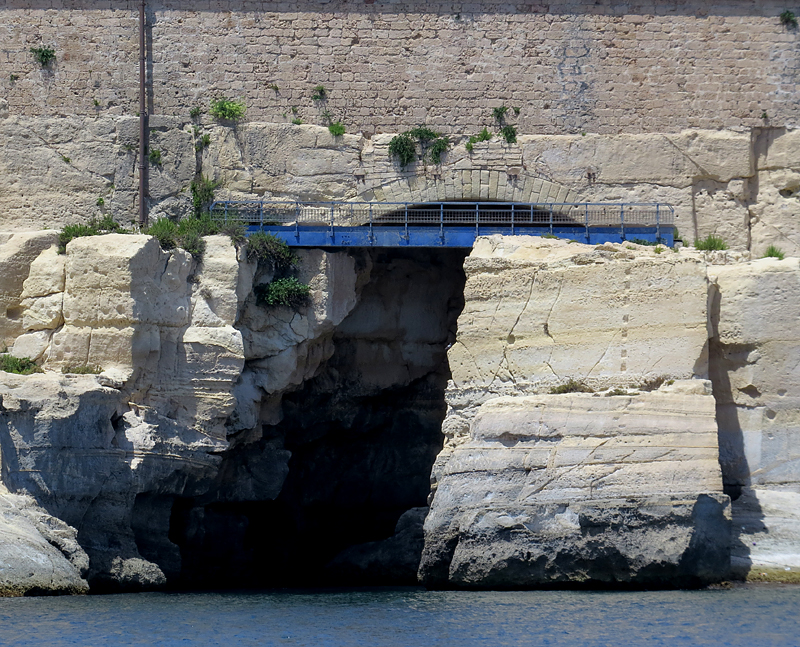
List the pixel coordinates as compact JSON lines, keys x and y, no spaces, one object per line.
{"x":470,"y":185}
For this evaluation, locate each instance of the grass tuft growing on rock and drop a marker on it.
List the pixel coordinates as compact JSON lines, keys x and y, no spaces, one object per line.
{"x":18,"y":365}
{"x":95,"y":227}
{"x":774,"y":252}
{"x":283,"y":292}
{"x":571,"y":386}
{"x":227,"y":109}
{"x":710,"y":243}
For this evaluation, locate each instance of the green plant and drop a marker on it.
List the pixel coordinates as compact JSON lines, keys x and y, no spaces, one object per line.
{"x":44,"y":55}
{"x":437,"y":147}
{"x":202,"y":190}
{"x":273,"y":86}
{"x":788,"y":19}
{"x":658,"y":249}
{"x":18,"y":365}
{"x":764,"y":115}
{"x":320,"y":93}
{"x":517,"y":111}
{"x":336,"y":128}
{"x":96,"y":103}
{"x":617,"y":391}
{"x":65,"y":159}
{"x":774,"y":252}
{"x":194,"y":113}
{"x":270,"y":249}
{"x":499,"y":114}
{"x":710,"y":242}
{"x":203,"y":142}
{"x":165,"y":231}
{"x":95,"y":227}
{"x":509,"y":133}
{"x":155,"y":157}
{"x":297,"y":121}
{"x":571,"y":386}
{"x":235,"y":230}
{"x":483,"y":136}
{"x":404,"y":148}
{"x":283,"y":292}
{"x":294,"y":110}
{"x":14,"y":77}
{"x":227,"y":109}
{"x":548,"y":236}
{"x":100,"y":201}
{"x":86,"y":369}
{"x":641,"y":241}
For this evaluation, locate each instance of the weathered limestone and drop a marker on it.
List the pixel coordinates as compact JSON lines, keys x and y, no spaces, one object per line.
{"x":755,"y":358}
{"x":17,"y":252}
{"x":38,"y":553}
{"x":572,"y":488}
{"x":540,"y":312}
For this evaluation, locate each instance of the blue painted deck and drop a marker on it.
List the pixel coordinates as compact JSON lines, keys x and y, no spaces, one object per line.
{"x":449,"y":236}
{"x":446,"y":224}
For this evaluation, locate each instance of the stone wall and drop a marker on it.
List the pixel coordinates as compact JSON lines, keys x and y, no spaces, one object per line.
{"x":741,"y":186}
{"x":570,"y":66}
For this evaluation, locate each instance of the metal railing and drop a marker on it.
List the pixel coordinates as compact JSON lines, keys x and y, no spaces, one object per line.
{"x":445,"y":214}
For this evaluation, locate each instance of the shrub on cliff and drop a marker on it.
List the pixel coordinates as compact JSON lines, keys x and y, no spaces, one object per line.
{"x":283,"y":292}
{"x":710,"y":243}
{"x":270,"y":249}
{"x":18,"y":365}
{"x":95,"y":227}
{"x":571,"y":386}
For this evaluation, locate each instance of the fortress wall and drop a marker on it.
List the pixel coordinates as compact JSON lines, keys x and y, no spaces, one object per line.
{"x":572,"y":66}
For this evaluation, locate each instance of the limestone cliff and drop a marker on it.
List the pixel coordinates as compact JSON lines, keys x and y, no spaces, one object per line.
{"x":223,"y":443}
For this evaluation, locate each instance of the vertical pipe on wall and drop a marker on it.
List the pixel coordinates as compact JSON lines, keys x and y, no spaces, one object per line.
{"x":142,"y":121}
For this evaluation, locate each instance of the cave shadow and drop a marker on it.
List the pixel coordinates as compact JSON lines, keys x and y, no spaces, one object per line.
{"x":747,"y":515}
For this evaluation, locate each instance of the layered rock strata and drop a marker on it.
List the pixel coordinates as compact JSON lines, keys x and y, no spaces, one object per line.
{"x":574,"y":488}
{"x":568,"y":489}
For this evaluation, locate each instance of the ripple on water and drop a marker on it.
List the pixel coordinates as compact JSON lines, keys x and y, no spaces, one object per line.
{"x":747,"y":617}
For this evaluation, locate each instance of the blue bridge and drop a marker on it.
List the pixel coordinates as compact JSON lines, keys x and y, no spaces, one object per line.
{"x":447,"y":224}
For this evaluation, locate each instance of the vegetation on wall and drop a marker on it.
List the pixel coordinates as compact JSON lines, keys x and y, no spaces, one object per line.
{"x":483,"y":136}
{"x":224,"y":109}
{"x":266,"y":248}
{"x":44,"y":55}
{"x":432,"y":145}
{"x":788,"y":19}
{"x":202,"y":189}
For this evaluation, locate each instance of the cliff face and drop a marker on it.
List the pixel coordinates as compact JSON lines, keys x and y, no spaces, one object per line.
{"x":623,"y":485}
{"x":225,"y":443}
{"x":180,"y":457}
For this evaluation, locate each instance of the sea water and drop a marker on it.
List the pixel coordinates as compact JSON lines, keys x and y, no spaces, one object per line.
{"x":747,"y":617}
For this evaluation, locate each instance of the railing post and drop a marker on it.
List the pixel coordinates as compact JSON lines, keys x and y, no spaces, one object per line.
{"x":586,"y":213}
{"x":371,"y":236}
{"x":531,"y":214}
{"x":477,"y":220}
{"x":658,"y":226}
{"x":405,"y":220}
{"x":441,"y":222}
{"x":261,"y":215}
{"x":297,"y":221}
{"x":226,"y":212}
{"x":332,"y":217}
{"x":551,"y":219}
{"x":512,"y":218}
{"x":622,"y":221}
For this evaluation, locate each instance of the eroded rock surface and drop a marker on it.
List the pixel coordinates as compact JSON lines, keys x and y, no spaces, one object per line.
{"x":573,"y":488}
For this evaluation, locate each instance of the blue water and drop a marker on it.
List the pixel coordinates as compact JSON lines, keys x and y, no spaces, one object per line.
{"x":753,"y":616}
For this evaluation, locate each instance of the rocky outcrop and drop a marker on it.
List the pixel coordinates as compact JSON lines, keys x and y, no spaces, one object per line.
{"x":577,"y":488}
{"x":39,"y":554}
{"x":755,"y":359}
{"x":622,"y":486}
